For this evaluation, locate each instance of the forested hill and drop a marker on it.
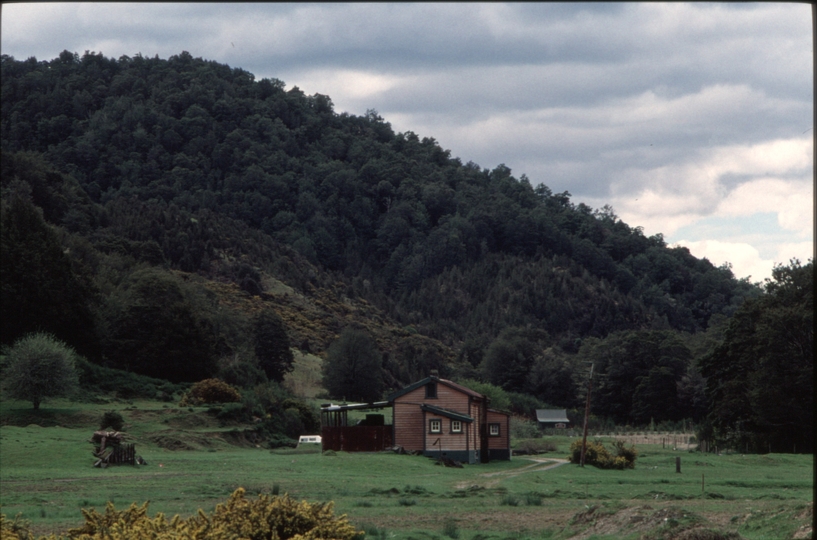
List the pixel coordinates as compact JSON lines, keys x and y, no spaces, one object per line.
{"x":189,"y":165}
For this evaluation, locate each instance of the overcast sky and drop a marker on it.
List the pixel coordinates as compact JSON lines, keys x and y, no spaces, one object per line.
{"x":691,"y":120}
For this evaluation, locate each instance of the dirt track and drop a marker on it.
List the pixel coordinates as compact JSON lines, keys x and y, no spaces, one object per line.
{"x":539,"y":464}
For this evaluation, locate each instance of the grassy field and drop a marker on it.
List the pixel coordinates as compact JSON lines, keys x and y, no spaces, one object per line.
{"x":193,"y":462}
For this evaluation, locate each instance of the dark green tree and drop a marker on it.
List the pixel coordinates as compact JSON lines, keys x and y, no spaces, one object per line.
{"x":272,"y":348}
{"x":636,"y":374}
{"x":353,"y":367}
{"x":39,"y":289}
{"x":551,"y":379}
{"x":760,"y":379}
{"x":510,"y":359}
{"x":153,"y":329}
{"x":39,"y":367}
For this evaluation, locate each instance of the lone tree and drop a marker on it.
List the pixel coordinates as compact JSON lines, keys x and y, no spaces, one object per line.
{"x":39,"y":367}
{"x":353,"y":368}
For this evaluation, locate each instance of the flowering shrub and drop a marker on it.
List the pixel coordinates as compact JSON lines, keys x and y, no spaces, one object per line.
{"x":264,"y":518}
{"x":596,"y":454}
{"x":210,"y":391}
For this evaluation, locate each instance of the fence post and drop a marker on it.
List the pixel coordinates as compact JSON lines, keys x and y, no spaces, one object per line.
{"x":678,"y":464}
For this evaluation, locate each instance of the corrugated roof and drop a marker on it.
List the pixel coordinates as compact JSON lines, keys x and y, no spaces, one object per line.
{"x":447,"y":413}
{"x":552,"y":415}
{"x":427,"y":380}
{"x":461,"y":388}
{"x":355,"y":406}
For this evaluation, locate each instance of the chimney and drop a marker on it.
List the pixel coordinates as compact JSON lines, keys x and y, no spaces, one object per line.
{"x":435,"y":374}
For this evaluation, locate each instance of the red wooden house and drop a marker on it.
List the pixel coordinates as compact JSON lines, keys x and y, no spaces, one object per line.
{"x":434,"y":416}
{"x":440,"y":417}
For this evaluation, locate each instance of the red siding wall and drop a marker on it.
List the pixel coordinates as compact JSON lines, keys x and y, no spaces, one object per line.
{"x":409,"y":428}
{"x":411,"y":423}
{"x":504,"y":421}
{"x":356,"y":438}
{"x":448,"y":440}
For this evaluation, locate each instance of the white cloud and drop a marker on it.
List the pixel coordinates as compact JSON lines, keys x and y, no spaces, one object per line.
{"x":776,"y":179}
{"x":352,"y":86}
{"x":744,"y":258}
{"x":792,"y":200}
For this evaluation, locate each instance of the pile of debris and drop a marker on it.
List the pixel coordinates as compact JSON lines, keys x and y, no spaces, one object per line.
{"x":110,"y":449}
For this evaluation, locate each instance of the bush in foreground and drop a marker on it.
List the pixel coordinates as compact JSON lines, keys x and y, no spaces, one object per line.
{"x":597,"y":455}
{"x":264,"y":518}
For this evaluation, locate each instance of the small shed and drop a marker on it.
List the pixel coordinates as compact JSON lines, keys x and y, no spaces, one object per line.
{"x":552,"y":418}
{"x":369,"y":435}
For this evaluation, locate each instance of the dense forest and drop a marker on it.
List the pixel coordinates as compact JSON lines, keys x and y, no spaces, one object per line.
{"x":179,"y":219}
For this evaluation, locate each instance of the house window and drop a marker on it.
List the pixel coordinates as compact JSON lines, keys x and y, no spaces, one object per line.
{"x":493,"y":430}
{"x":435,"y":426}
{"x":431,"y":390}
{"x":456,"y":426}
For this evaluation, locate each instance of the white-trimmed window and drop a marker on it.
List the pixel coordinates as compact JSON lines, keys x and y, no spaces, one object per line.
{"x":456,"y":426}
{"x":493,"y":430}
{"x":435,"y":425}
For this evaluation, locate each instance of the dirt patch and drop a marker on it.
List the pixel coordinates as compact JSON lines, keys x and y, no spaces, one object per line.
{"x":174,"y":439}
{"x":668,"y":523}
{"x":486,"y":520}
{"x":539,"y":464}
{"x":193,"y":421}
{"x":245,"y":438}
{"x":170,"y":442}
{"x":707,"y":534}
{"x":50,"y":418}
{"x":181,"y":440}
{"x":807,"y":530}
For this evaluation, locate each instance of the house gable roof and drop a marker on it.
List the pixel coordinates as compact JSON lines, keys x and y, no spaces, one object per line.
{"x":446,"y":382}
{"x":445,"y":412}
{"x":552,"y":415}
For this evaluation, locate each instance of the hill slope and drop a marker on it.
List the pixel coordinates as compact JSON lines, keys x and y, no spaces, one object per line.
{"x":257,"y":196}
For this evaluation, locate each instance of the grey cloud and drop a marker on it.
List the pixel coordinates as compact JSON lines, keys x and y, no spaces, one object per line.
{"x":536,"y":86}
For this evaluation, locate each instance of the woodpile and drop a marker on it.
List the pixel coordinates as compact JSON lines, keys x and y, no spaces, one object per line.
{"x":448,"y":462}
{"x":109,"y":450}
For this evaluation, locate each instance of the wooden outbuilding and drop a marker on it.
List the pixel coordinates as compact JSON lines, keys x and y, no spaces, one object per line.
{"x":552,"y":418}
{"x":369,"y":435}
{"x":434,"y":416}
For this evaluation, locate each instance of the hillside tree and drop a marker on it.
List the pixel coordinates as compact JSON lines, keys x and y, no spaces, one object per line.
{"x":272,"y":347}
{"x":353,"y":367}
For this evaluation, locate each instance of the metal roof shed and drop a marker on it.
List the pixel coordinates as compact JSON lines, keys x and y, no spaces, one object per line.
{"x":549,"y":417}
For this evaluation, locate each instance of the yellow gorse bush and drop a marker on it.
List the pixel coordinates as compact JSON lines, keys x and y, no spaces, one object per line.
{"x":210,"y":391}
{"x":273,"y":518}
{"x":596,"y":454}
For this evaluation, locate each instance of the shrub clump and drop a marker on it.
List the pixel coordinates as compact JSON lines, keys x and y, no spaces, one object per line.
{"x":210,"y":391}
{"x":264,"y":518}
{"x":597,"y":455}
{"x":39,"y":367}
{"x":113,"y":420}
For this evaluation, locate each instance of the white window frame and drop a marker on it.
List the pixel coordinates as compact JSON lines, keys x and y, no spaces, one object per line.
{"x":493,"y":430}
{"x":435,"y":425}
{"x":456,"y":426}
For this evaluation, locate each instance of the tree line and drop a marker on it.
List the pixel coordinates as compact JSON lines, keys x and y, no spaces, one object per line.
{"x":121,"y":177}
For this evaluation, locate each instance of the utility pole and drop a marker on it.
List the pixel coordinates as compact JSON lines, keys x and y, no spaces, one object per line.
{"x":586,"y":414}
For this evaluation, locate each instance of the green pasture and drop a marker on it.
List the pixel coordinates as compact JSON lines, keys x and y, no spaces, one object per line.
{"x":46,"y":476}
